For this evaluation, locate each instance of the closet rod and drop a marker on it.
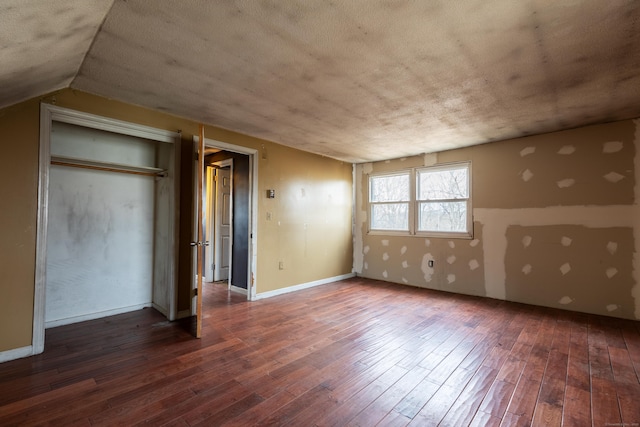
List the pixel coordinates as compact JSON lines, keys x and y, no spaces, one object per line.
{"x":85,"y":164}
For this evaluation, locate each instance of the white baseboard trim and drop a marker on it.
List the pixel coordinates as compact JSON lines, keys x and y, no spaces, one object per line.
{"x":16,"y":353}
{"x":182,"y":314}
{"x":92,"y":316}
{"x":302,"y":286}
{"x":237,"y":289}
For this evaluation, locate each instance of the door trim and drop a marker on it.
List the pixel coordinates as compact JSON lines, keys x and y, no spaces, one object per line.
{"x":253,"y":208}
{"x":48,"y":114}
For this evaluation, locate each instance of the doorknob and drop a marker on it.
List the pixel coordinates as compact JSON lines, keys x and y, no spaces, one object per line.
{"x":199,"y":244}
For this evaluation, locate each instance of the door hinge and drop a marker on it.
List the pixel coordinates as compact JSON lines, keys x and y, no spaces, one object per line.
{"x":196,"y":155}
{"x":195,"y":292}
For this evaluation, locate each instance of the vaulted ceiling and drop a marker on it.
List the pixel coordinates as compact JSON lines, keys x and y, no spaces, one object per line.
{"x":356,"y":80}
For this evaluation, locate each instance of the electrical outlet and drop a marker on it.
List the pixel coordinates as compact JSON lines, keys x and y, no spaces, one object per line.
{"x":430,"y":263}
{"x":281,"y":265}
{"x":268,"y":216}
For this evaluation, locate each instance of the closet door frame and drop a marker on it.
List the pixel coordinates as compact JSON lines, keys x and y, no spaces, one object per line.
{"x":48,"y":114}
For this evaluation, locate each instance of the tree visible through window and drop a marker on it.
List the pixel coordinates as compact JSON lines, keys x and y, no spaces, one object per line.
{"x":442,"y":196}
{"x":389,"y":196}
{"x":438,"y":204}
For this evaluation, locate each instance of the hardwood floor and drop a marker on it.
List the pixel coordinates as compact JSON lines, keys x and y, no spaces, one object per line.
{"x":351,"y":353}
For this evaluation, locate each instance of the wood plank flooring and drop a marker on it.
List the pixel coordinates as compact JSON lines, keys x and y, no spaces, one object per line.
{"x":351,"y":353}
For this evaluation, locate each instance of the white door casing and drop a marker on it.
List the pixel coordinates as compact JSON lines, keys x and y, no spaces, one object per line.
{"x":49,"y":114}
{"x":253,"y":214}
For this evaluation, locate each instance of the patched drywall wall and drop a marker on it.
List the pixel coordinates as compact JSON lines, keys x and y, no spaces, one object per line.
{"x":571,"y":266}
{"x":556,"y":224}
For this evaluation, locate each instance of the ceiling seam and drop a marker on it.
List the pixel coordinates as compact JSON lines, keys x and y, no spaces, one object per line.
{"x":93,"y":40}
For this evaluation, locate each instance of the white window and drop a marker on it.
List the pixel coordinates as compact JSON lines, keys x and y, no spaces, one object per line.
{"x":389,"y":197}
{"x":432,"y":201}
{"x":442,"y":194}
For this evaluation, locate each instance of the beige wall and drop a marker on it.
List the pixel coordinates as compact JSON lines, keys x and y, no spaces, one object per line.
{"x":19,"y":130}
{"x":556,"y":224}
{"x":310,"y":229}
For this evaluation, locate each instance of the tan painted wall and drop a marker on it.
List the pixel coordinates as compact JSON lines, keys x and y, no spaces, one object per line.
{"x":19,"y":132}
{"x":310,"y":230}
{"x":556,"y":224}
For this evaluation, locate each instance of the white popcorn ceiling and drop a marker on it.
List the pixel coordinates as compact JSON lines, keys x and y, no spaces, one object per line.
{"x":358,"y":80}
{"x":43,"y":44}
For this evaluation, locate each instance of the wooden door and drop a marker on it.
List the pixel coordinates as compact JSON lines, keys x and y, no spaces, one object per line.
{"x":199,"y":243}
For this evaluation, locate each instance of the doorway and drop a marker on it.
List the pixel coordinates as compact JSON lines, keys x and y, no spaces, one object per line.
{"x":243,"y":169}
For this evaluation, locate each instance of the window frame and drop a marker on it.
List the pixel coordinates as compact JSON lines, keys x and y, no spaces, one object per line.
{"x":414,"y":203}
{"x":407,"y":202}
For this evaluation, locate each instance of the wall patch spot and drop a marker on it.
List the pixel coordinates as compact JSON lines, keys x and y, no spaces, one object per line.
{"x":385,"y":242}
{"x":366,"y":249}
{"x":474,"y":243}
{"x":566,"y":241}
{"x":611,"y":272}
{"x":430,"y":159}
{"x":526,"y":151}
{"x":527,"y":269}
{"x":403,"y":250}
{"x":452,"y":244}
{"x":612,"y":147}
{"x":366,"y":265}
{"x":612,"y":247}
{"x":565,"y":183}
{"x":527,"y":175}
{"x":473,"y":264}
{"x":612,"y":307}
{"x":405,"y":264}
{"x":565,"y":300}
{"x":367,"y":168}
{"x":565,"y":268}
{"x":427,"y":242}
{"x":428,"y":271}
{"x":526,"y":241}
{"x":451,"y":259}
{"x":613,"y":177}
{"x":404,"y":280}
{"x":385,"y":274}
{"x":567,"y":149}
{"x":451,"y":278}
{"x":385,"y":256}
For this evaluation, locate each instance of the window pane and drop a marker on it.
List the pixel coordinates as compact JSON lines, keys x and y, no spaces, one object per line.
{"x":390,"y":216}
{"x":389,"y":188}
{"x":443,"y":216}
{"x":443,"y":184}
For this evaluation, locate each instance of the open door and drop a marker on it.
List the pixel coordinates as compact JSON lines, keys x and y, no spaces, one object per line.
{"x":243,"y":170}
{"x":222,"y":223}
{"x":200,"y":242}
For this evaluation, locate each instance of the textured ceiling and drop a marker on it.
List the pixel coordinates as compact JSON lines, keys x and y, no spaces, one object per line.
{"x":43,"y":44}
{"x":357,"y":80}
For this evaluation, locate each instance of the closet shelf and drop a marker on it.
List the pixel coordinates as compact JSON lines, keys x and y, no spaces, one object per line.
{"x":107,"y":166}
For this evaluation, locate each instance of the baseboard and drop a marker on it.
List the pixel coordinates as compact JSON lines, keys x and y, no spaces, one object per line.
{"x":302,"y":286}
{"x":93,"y":316}
{"x":16,"y":353}
{"x":237,"y":289}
